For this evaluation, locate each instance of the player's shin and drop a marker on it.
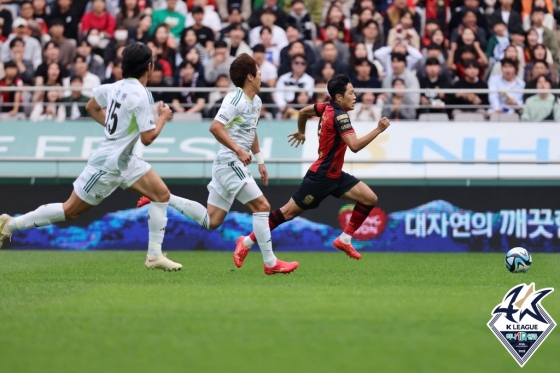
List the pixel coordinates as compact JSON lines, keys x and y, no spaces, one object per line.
{"x":191,"y":209}
{"x":44,"y":215}
{"x":262,"y":232}
{"x":157,"y":220}
{"x":359,"y":215}
{"x":275,"y":218}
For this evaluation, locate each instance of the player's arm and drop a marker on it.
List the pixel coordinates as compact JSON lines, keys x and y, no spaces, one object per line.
{"x":218,"y":129}
{"x":298,"y":137}
{"x":255,"y":148}
{"x":356,"y":144}
{"x":165,"y":114}
{"x":96,"y":111}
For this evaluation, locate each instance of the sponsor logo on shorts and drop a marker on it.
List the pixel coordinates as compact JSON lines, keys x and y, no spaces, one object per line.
{"x":308,"y":199}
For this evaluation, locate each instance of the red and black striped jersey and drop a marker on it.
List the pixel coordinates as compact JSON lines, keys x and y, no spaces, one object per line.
{"x":334,"y":124}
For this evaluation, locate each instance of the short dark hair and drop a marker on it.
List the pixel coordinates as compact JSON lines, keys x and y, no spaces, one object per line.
{"x":539,"y":9}
{"x":117,"y":61}
{"x":197,"y":9}
{"x":398,"y":56}
{"x":240,"y":68}
{"x":320,"y":80}
{"x":360,"y":61}
{"x":48,"y":44}
{"x":186,"y":63}
{"x":471,"y":63}
{"x":432,"y":61}
{"x":330,"y":25}
{"x":545,"y":78}
{"x":508,"y":61}
{"x":434,"y":46}
{"x":499,"y":21}
{"x":16,"y":40}
{"x":396,"y":80}
{"x":136,"y":60}
{"x":268,"y":11}
{"x":337,"y":85}
{"x":432,"y":21}
{"x":298,"y":56}
{"x":236,"y":26}
{"x":10,"y":64}
{"x":76,"y":78}
{"x":220,"y":44}
{"x":78,"y":57}
{"x":259,"y":48}
{"x":265,"y":28}
{"x":296,"y":2}
{"x":369,"y":22}
{"x":540,"y":61}
{"x":325,"y":43}
{"x":158,"y":67}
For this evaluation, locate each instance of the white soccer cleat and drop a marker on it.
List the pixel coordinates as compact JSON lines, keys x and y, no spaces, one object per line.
{"x":161,"y":262}
{"x":4,"y":232}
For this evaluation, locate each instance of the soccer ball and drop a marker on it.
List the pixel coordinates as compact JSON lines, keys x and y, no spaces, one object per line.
{"x":518,"y":260}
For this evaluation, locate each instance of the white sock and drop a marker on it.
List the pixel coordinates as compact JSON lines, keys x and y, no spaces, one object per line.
{"x":248,"y":242}
{"x":262,"y":232}
{"x":157,"y":220}
{"x":44,"y":215}
{"x":345,"y":238}
{"x":191,"y":209}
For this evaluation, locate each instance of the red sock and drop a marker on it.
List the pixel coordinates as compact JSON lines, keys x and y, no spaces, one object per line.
{"x":274,"y":219}
{"x":359,"y":215}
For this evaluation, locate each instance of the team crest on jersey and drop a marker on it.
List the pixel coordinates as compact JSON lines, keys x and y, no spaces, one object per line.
{"x":308,"y":199}
{"x":520,"y":322}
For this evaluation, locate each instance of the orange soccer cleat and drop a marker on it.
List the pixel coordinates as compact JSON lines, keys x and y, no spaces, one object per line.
{"x":347,"y":248}
{"x":143,"y":201}
{"x":240,"y":252}
{"x":281,"y":267}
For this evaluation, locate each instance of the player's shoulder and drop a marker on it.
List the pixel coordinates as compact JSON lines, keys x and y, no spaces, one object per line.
{"x":137,"y":94}
{"x":235,"y":98}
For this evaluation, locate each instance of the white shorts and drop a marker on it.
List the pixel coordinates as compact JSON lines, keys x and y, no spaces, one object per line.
{"x":94,"y":185}
{"x":232,"y":180}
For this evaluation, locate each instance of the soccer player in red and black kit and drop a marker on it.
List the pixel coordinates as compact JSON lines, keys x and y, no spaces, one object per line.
{"x":325,"y":177}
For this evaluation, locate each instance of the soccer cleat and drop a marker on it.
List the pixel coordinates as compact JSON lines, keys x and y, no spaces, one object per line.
{"x":347,"y":248}
{"x":143,"y":201}
{"x":4,"y":232}
{"x":240,"y":252}
{"x":161,"y":262}
{"x":281,"y":267}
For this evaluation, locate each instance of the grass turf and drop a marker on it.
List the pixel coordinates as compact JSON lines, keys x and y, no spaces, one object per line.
{"x":104,"y":312}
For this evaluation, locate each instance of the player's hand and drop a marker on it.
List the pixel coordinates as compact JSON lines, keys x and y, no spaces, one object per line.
{"x":264,"y":174}
{"x":383,"y":124}
{"x":296,"y":138}
{"x":165,"y":111}
{"x":244,"y":157}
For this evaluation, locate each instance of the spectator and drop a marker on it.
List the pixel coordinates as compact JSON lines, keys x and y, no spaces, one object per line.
{"x":301,"y":20}
{"x":539,"y":52}
{"x":11,"y":100}
{"x":366,"y":110}
{"x":545,"y":36}
{"x":269,"y":73}
{"x":511,"y":53}
{"x":157,"y":81}
{"x":6,"y":20}
{"x":335,"y":16}
{"x":473,"y":5}
{"x":268,"y":18}
{"x":193,"y":56}
{"x":67,"y":48}
{"x":116,"y":71}
{"x":322,"y":95}
{"x":94,"y":61}
{"x":219,"y":64}
{"x":466,"y":97}
{"x":129,"y":14}
{"x":370,"y":35}
{"x":399,"y":105}
{"x":325,"y":70}
{"x":358,"y":16}
{"x":223,"y":82}
{"x":75,"y":104}
{"x":297,"y":78}
{"x":383,"y":55}
{"x":433,"y":51}
{"x":97,"y":44}
{"x":234,"y":18}
{"x":51,"y":56}
{"x":40,"y":9}
{"x":269,"y":5}
{"x":393,"y":16}
{"x":204,"y":35}
{"x":99,"y":19}
{"x":359,"y":51}
{"x":70,"y":12}
{"x":53,"y":76}
{"x":121,"y":39}
{"x":467,"y":48}
{"x":25,"y":67}
{"x":548,"y":21}
{"x":166,"y":67}
{"x":506,"y":14}
{"x":469,"y":21}
{"x":188,"y":41}
{"x":543,"y":106}
{"x":331,"y":33}
{"x":300,"y":100}
{"x":329,"y":54}
{"x":438,"y":38}
{"x":433,"y":80}
{"x":242,"y":7}
{"x":180,"y":6}
{"x":164,"y":51}
{"x":209,"y":18}
{"x":404,"y":31}
{"x":37,"y":26}
{"x":90,"y":80}
{"x":294,"y":37}
{"x":142,"y":32}
{"x":32,"y":50}
{"x":235,"y":42}
{"x":540,"y":67}
{"x":517,"y":36}
{"x":297,"y":47}
{"x":363,"y":77}
{"x":399,"y":70}
{"x":188,"y":101}
{"x":49,"y":110}
{"x":506,"y":101}
{"x":170,"y":17}
{"x":431,"y":26}
{"x":498,"y":42}
{"x":272,"y":52}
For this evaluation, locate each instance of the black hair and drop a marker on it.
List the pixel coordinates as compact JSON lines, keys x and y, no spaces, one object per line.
{"x":397,"y":80}
{"x":186,"y":63}
{"x":76,"y":78}
{"x":545,"y":78}
{"x":541,"y":61}
{"x":360,"y":61}
{"x":337,"y":85}
{"x":259,"y":48}
{"x":298,"y":56}
{"x":369,"y":22}
{"x":471,"y":63}
{"x":265,"y":28}
{"x":117,"y":61}
{"x":158,"y":67}
{"x":432,"y":61}
{"x":10,"y":64}
{"x":296,"y":2}
{"x":539,"y":9}
{"x":48,"y":44}
{"x":509,"y":61}
{"x":220,"y":44}
{"x":398,"y":56}
{"x":136,"y":60}
{"x":434,"y":46}
{"x":320,"y":80}
{"x":15,"y":40}
{"x":78,"y":57}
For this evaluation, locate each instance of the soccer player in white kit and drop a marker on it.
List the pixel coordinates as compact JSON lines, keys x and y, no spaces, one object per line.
{"x":125,"y":109}
{"x":235,"y":127}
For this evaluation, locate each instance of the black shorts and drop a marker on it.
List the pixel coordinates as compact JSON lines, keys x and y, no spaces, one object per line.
{"x":315,"y":188}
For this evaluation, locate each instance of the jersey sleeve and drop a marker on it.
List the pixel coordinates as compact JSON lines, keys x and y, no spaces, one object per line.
{"x":100,"y":94}
{"x":320,"y":108}
{"x":229,"y":109}
{"x":343,"y":125}
{"x":143,"y":113}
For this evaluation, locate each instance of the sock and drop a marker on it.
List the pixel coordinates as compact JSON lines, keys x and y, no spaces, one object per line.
{"x":262,"y":231}
{"x":191,"y":209}
{"x":275,"y":218}
{"x":359,"y":215}
{"x":157,"y":220}
{"x":44,"y":215}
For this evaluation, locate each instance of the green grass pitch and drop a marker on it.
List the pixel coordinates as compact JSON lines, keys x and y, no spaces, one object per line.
{"x":104,"y":312}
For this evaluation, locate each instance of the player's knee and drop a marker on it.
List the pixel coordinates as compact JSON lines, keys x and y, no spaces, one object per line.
{"x":371,"y":199}
{"x":162,"y":196}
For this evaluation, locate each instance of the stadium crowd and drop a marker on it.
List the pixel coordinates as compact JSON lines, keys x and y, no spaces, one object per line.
{"x":467,"y":44}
